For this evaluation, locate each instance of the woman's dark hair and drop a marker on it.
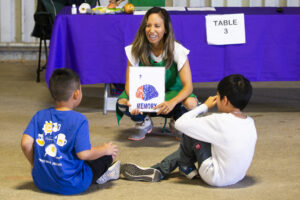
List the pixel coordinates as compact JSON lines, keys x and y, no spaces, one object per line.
{"x":63,"y":83}
{"x":141,"y":47}
{"x":237,"y":89}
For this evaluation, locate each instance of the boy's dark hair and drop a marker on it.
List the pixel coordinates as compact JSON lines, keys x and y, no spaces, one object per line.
{"x":237,"y":89}
{"x":63,"y":82}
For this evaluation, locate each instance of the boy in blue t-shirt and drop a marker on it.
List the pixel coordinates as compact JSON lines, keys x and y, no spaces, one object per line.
{"x":56,"y":143}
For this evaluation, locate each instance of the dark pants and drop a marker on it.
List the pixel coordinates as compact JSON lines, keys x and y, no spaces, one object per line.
{"x":177,"y":111}
{"x":99,"y":166}
{"x":189,"y":152}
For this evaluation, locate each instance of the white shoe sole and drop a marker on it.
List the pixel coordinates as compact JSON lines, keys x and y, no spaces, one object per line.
{"x":139,"y":138}
{"x":136,"y":173}
{"x":191,"y":175}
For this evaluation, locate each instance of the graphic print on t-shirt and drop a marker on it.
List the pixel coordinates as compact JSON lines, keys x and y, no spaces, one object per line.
{"x":40,"y":140}
{"x":51,"y":140}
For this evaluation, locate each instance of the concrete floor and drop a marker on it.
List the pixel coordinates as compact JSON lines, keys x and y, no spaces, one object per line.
{"x":274,"y":173}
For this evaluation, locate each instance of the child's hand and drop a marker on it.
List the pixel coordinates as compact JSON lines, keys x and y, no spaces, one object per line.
{"x":211,"y":101}
{"x":111,"y":149}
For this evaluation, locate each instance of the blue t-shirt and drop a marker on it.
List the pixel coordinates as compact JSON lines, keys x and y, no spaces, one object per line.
{"x":58,"y":136}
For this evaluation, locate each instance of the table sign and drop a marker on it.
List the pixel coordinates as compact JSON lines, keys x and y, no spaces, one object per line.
{"x":225,"y":29}
{"x":146,"y":87}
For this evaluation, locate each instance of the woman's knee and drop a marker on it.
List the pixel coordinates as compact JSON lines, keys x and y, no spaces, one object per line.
{"x":122,"y":106}
{"x":190,"y":103}
{"x":122,"y":101}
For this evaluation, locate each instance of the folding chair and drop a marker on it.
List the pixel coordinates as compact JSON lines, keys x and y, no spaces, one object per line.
{"x":44,"y":19}
{"x":44,"y":23}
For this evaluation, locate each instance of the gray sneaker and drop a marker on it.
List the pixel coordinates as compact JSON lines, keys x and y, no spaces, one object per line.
{"x":112,"y":173}
{"x":143,"y":128}
{"x":136,"y":173}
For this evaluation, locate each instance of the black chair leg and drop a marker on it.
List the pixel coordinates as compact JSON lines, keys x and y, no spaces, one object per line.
{"x":39,"y":63}
{"x":46,"y":55}
{"x":40,"y":69}
{"x":46,"y":49}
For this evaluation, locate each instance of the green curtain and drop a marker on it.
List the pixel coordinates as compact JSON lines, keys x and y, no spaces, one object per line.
{"x":150,"y":3}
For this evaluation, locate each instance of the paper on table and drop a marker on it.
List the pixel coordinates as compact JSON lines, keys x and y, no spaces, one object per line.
{"x":143,"y":12}
{"x":202,"y":9}
{"x":139,"y":12}
{"x":174,"y":8}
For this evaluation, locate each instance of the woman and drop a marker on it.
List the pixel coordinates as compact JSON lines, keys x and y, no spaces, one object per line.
{"x":155,"y":45}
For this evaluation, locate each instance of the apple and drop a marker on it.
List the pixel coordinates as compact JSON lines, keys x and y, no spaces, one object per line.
{"x":129,"y":8}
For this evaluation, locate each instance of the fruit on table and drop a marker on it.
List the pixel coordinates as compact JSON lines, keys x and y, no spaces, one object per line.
{"x":111,"y":5}
{"x":128,"y":8}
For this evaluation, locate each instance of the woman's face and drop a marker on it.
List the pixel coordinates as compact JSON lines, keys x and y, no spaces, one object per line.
{"x":155,"y":29}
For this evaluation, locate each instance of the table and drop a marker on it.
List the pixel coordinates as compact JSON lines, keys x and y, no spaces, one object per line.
{"x":93,"y":45}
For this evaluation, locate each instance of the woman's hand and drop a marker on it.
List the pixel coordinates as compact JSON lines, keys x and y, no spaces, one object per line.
{"x":127,"y":103}
{"x":165,"y":107}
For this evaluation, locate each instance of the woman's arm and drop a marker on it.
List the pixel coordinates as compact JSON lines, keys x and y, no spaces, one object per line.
{"x":187,"y":88}
{"x":127,"y":78}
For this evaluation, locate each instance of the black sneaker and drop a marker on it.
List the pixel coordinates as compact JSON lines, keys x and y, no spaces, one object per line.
{"x":135,"y":173}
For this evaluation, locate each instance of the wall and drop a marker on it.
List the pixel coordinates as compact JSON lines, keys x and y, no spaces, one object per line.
{"x":16,"y":20}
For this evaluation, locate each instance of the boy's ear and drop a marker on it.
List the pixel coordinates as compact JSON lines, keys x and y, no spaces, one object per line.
{"x":76,"y":94}
{"x":225,"y":100}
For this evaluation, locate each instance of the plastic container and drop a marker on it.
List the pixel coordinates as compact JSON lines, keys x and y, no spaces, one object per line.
{"x":74,"y":9}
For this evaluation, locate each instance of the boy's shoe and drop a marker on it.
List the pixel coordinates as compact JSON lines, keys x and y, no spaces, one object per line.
{"x":190,"y":172}
{"x":112,"y":173}
{"x":136,"y":173}
{"x":143,"y":128}
{"x":173,"y":130}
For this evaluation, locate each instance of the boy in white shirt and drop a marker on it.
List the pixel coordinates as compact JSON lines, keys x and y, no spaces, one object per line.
{"x":222,"y":143}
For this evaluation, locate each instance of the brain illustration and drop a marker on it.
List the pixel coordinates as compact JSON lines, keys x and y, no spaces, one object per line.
{"x":146,"y":92}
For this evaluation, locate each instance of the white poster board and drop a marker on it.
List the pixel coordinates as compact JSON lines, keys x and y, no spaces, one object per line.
{"x":146,"y":88}
{"x":225,"y":29}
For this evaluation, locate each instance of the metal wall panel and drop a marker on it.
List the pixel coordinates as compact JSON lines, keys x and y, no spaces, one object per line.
{"x":28,"y":8}
{"x":7,"y":21}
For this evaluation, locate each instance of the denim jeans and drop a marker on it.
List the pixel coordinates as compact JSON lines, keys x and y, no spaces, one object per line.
{"x":187,"y":154}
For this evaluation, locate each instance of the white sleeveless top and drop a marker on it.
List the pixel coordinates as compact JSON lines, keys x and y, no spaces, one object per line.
{"x":180,"y":55}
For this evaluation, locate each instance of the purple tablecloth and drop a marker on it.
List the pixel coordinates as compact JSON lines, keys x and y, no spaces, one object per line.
{"x":93,"y":45}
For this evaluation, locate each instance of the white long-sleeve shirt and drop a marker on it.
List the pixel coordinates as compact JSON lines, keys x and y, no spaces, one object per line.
{"x":232,"y":141}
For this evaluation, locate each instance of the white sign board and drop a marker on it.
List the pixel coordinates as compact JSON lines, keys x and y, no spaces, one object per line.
{"x":146,"y":88}
{"x":225,"y":29}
